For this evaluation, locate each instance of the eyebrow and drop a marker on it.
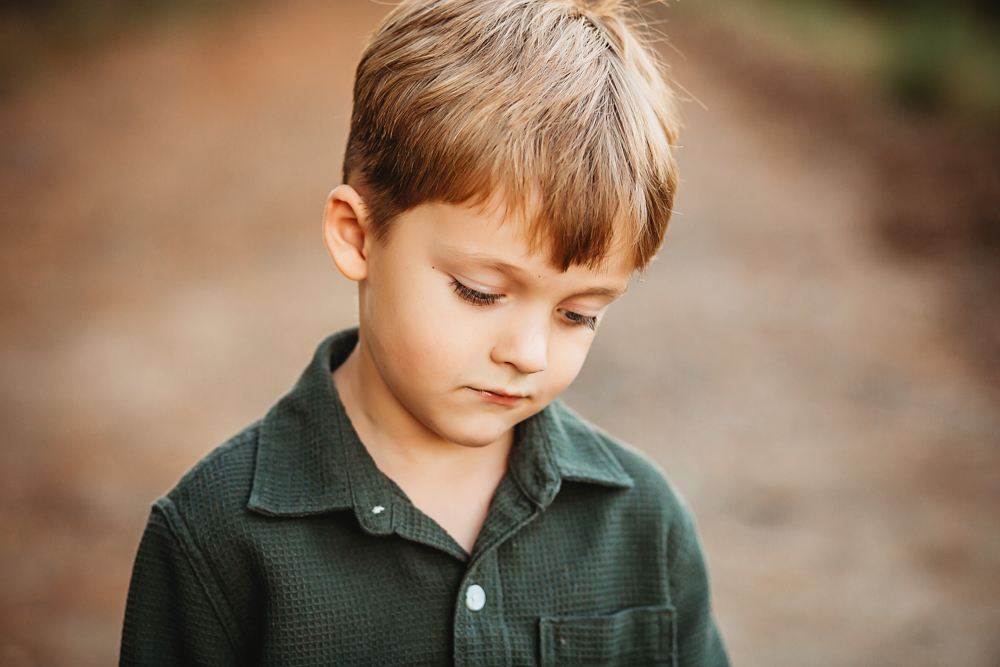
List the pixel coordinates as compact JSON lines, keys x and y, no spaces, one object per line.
{"x":611,"y":292}
{"x":518,"y":273}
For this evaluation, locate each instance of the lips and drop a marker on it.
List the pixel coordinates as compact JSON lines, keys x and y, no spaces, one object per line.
{"x":499,"y":397}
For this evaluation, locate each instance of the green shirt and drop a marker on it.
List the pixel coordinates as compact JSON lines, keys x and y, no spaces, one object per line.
{"x":287,"y":546}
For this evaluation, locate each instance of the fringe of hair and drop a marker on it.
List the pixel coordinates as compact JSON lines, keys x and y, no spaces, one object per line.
{"x":556,"y":108}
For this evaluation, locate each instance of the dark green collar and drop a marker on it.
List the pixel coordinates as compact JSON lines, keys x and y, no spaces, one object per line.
{"x":310,"y":459}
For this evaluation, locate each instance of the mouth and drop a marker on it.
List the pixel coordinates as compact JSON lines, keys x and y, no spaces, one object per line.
{"x":499,"y":397}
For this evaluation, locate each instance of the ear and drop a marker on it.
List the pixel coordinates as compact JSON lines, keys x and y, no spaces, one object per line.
{"x":345,"y":230}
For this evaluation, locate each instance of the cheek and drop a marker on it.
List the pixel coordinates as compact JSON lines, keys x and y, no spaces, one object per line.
{"x":430,"y":337}
{"x":566,"y":357}
{"x":398,"y":320}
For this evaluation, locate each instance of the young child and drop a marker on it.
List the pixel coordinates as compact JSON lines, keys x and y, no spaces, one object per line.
{"x":420,"y":497}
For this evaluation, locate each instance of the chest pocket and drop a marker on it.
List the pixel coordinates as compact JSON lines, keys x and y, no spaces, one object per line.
{"x":639,"y":637}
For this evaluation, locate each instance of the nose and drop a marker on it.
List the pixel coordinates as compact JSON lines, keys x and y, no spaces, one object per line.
{"x":524,"y":344}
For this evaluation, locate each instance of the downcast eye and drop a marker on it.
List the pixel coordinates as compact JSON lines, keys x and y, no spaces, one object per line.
{"x":583,"y":320}
{"x":475,"y":296}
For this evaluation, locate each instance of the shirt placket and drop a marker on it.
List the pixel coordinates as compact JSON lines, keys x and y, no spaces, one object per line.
{"x":481,"y":635}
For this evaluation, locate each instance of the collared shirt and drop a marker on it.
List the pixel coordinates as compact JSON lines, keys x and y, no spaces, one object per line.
{"x":287,"y":546}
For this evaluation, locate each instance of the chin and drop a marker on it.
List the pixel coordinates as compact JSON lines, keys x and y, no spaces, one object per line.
{"x":475,"y":440}
{"x":476,"y":435}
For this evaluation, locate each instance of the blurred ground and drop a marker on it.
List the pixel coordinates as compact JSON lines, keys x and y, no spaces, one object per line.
{"x":162,"y":282}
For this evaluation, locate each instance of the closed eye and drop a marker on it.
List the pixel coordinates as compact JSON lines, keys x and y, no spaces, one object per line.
{"x":580,"y":320}
{"x":475,"y":296}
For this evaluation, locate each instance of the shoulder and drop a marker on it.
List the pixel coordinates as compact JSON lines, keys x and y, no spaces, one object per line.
{"x":650,"y":487}
{"x":207,"y":509}
{"x":221,"y":481}
{"x":207,"y":517}
{"x":194,"y":573}
{"x":654,"y":509}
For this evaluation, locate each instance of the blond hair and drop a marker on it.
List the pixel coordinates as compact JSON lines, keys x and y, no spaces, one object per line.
{"x":558,"y":108}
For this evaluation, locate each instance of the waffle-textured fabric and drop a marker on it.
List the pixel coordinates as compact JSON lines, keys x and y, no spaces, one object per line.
{"x":287,"y":546}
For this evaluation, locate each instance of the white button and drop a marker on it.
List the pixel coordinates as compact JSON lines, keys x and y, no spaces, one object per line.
{"x":475,"y":597}
{"x":378,"y":509}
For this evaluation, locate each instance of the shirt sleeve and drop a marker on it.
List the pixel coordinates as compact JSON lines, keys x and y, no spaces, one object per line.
{"x":699,"y":643}
{"x":176,"y":613}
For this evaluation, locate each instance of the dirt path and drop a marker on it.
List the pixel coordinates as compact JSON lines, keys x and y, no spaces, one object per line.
{"x":163,"y":283}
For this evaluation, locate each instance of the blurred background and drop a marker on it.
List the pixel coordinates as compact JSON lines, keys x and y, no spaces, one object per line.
{"x":814,"y":359}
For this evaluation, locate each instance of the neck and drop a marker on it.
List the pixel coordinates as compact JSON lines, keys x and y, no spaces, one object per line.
{"x":436,"y":474}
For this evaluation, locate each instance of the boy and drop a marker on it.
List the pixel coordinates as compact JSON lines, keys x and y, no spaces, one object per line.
{"x":419,"y":498}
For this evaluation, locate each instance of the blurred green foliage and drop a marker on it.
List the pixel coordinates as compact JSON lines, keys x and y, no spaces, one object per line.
{"x":986,"y":8}
{"x":929,"y":54}
{"x":940,"y":55}
{"x":942,"y":52}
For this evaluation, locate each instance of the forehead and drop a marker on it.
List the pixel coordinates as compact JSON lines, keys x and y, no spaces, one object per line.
{"x":494,"y":238}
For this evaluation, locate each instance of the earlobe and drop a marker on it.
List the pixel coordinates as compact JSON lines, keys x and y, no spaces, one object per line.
{"x":345,"y":231}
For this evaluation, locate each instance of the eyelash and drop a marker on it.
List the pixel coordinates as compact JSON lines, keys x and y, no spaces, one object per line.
{"x":474,"y":296}
{"x":583,"y":320}
{"x":478,"y":298}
